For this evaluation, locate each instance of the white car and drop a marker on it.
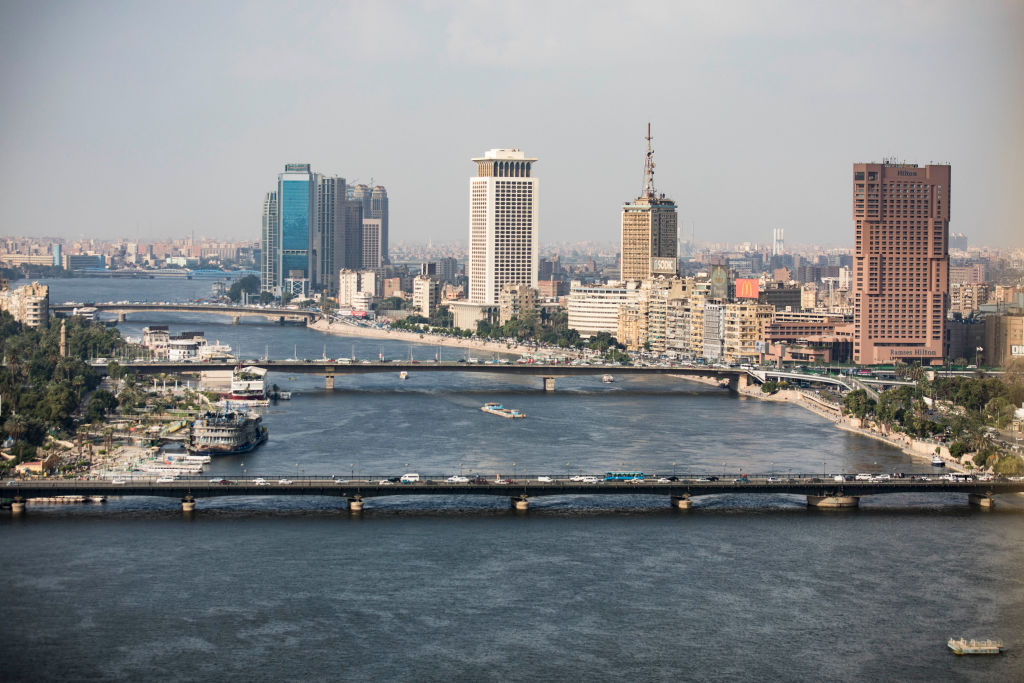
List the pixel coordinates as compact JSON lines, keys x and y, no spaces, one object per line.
{"x":117,"y":481}
{"x":663,"y":480}
{"x":284,"y":481}
{"x":590,"y":480}
{"x":544,"y":478}
{"x":576,"y":477}
{"x":261,"y":482}
{"x":457,"y":479}
{"x":385,"y":482}
{"x":165,"y":480}
{"x":863,"y":477}
{"x":881,"y":477}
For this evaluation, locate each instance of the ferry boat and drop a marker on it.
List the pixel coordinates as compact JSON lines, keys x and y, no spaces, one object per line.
{"x":225,"y":434}
{"x":938,"y":462}
{"x":502,"y":411}
{"x":403,"y":375}
{"x":607,"y":379}
{"x":962,"y":646}
{"x":248,"y":384}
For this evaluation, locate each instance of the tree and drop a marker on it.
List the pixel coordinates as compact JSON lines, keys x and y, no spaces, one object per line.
{"x":250,"y":284}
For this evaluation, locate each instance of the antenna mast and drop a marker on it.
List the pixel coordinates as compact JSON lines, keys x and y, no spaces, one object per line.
{"x":649,"y":165}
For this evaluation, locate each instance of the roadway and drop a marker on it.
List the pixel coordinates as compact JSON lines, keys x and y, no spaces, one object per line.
{"x":235,"y":311}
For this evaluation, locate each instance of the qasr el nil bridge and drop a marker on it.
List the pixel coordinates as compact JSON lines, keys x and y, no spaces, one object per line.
{"x":273,"y":314}
{"x":821,"y":491}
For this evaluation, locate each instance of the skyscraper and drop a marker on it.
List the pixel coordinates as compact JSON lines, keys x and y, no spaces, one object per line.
{"x":778,"y":242}
{"x":308,"y":233}
{"x":901,"y":262}
{"x":503,"y":222}
{"x":379,"y":211}
{"x":649,"y":230}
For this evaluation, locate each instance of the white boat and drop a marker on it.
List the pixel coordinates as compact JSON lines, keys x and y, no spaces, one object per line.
{"x":963,"y":646}
{"x":403,"y":375}
{"x":938,"y":462}
{"x":607,"y":379}
{"x":502,"y":411}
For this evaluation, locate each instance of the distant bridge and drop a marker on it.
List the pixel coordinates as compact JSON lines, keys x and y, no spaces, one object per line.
{"x":731,"y":378}
{"x":237,"y":312}
{"x":820,"y":491}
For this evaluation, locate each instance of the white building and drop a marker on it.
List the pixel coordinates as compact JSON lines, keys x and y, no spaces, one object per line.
{"x":595,"y":308}
{"x":29,"y":305}
{"x":352,"y":283}
{"x":426,"y":293}
{"x":503,"y":223}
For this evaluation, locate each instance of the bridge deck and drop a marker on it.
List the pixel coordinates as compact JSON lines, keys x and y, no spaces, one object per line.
{"x":307,"y":486}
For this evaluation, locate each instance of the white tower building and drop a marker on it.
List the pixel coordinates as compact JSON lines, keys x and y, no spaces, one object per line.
{"x":503,"y":222}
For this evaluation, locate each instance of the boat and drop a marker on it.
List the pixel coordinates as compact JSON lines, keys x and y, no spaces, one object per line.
{"x":284,"y":395}
{"x":248,"y":384}
{"x":403,"y":375}
{"x":502,"y":411}
{"x":607,"y":379}
{"x":225,"y":433}
{"x":938,"y":462}
{"x":963,"y":646}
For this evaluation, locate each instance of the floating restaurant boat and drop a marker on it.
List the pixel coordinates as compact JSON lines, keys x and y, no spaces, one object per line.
{"x":938,"y":462}
{"x":248,"y":384}
{"x":962,"y":646}
{"x":607,"y":379}
{"x":226,"y":434}
{"x":502,"y":411}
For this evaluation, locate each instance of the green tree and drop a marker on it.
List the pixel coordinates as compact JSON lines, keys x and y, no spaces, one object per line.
{"x":250,"y":284}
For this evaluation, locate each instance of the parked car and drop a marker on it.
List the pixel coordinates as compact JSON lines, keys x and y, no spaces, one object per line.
{"x":457,"y":479}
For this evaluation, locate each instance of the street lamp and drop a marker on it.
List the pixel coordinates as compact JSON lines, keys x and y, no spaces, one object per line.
{"x":352,"y":470}
{"x":514,"y":471}
{"x":673,"y":469}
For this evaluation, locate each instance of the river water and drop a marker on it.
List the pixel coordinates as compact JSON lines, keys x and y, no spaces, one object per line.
{"x":737,"y":588}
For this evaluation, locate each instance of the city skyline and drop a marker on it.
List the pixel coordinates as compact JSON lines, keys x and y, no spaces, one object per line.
{"x":777,"y":91}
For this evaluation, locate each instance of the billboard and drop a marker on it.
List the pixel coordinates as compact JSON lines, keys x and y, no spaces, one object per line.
{"x":747,"y":288}
{"x":719,"y":282}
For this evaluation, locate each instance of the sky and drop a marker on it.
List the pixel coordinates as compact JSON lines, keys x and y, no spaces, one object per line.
{"x":149,"y":120}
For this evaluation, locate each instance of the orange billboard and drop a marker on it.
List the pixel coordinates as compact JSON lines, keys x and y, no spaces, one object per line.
{"x":747,"y":288}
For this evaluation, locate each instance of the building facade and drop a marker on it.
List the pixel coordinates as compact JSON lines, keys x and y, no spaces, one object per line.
{"x":504,"y":219}
{"x":901,"y":262}
{"x":29,"y":305}
{"x":426,"y":295}
{"x":649,"y":230}
{"x":595,"y":308}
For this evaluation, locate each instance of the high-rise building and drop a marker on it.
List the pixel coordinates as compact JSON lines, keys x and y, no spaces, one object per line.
{"x":901,"y":261}
{"x":649,"y":230}
{"x":308,"y":233}
{"x":778,"y":242}
{"x":379,"y":211}
{"x":503,"y":223}
{"x":372,"y":232}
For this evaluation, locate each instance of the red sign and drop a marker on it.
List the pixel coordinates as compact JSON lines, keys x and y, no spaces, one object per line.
{"x":747,"y":288}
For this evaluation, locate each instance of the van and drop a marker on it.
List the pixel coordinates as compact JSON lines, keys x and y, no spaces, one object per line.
{"x":410,"y":478}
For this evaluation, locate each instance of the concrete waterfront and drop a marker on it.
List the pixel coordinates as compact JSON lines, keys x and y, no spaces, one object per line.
{"x":822,"y":492}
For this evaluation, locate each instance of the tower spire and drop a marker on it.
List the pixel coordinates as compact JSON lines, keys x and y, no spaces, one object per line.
{"x":649,"y":165}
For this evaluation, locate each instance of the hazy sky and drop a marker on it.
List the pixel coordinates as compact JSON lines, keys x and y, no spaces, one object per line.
{"x":149,"y":120}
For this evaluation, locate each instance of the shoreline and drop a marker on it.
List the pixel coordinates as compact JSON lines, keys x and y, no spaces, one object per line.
{"x":424,"y":338}
{"x":797,"y":398}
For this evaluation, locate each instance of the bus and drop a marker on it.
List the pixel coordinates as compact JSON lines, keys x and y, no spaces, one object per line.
{"x":623,"y":476}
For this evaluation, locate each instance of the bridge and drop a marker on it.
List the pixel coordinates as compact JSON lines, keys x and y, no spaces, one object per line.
{"x":122,"y":309}
{"x":823,"y":491}
{"x":730,"y":378}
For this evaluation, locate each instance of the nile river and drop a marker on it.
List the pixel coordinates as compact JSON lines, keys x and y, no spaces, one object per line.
{"x":737,"y":588}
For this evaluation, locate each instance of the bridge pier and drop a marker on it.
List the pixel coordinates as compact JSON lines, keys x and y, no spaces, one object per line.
{"x":836,"y":501}
{"x":236,"y":319}
{"x":681,"y":502}
{"x":121,"y":317}
{"x":521,"y":504}
{"x":982,"y":500}
{"x":18,"y":506}
{"x":549,"y":383}
{"x":355,"y":504}
{"x":188,"y":504}
{"x":329,"y":382}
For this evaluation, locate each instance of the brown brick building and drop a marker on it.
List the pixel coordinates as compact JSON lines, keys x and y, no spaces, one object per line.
{"x":901,"y":262}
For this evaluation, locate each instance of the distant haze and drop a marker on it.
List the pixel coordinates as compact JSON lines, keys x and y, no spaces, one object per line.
{"x":149,"y":120}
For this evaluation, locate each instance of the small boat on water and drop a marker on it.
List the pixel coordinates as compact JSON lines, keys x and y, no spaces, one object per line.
{"x":938,"y":462}
{"x":502,"y":411}
{"x":403,"y":375}
{"x":963,"y":646}
{"x":607,"y":379}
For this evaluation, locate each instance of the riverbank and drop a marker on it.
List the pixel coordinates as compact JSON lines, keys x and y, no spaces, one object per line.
{"x":917,"y":448}
{"x":346,"y":330}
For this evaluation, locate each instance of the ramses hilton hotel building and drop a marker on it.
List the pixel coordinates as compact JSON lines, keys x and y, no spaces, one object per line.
{"x":901,"y":262}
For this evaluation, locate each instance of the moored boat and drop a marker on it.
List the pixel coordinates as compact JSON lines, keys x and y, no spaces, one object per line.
{"x":226,"y":434}
{"x":938,"y":462}
{"x":963,"y":646}
{"x":607,"y":379}
{"x":248,"y":384}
